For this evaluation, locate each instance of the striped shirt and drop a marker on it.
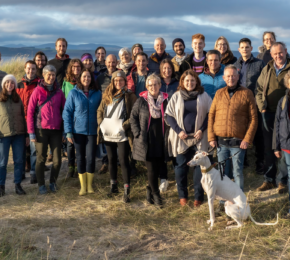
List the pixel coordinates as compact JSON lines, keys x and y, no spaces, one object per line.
{"x":198,"y":65}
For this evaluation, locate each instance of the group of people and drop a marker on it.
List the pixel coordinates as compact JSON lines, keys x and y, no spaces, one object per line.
{"x":152,"y":109}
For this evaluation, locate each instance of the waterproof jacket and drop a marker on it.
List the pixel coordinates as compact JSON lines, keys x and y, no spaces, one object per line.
{"x":188,"y":63}
{"x":212,"y":85}
{"x":154,"y":64}
{"x":270,"y":88}
{"x":132,"y":80}
{"x":50,"y":115}
{"x":24,"y":90}
{"x":12,"y":118}
{"x":104,"y":80}
{"x":171,"y":88}
{"x":281,"y":137}
{"x":61,"y":67}
{"x":67,"y":87}
{"x":175,"y":63}
{"x":233,"y":117}
{"x":254,"y":69}
{"x":140,"y":121}
{"x":80,"y":112}
{"x":130,"y":99}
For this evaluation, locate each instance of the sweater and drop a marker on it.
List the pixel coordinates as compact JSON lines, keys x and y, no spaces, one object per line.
{"x":61,"y":67}
{"x":188,"y":63}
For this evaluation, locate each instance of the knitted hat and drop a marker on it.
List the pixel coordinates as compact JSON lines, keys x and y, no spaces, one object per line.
{"x":9,"y":77}
{"x":137,"y":45}
{"x":119,"y":73}
{"x":86,"y":56}
{"x":177,"y":40}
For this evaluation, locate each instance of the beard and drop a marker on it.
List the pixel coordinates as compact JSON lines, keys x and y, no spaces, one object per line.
{"x":61,"y":54}
{"x":180,"y":52}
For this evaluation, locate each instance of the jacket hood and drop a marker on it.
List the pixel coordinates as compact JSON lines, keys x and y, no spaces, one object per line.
{"x":262,"y":49}
{"x":41,"y":85}
{"x":144,"y":95}
{"x":29,"y":82}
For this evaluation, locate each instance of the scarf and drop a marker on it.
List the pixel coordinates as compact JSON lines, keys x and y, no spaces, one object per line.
{"x":189,"y":95}
{"x":180,"y":60}
{"x":117,"y":98}
{"x":73,"y":82}
{"x":125,"y":67}
{"x":155,"y":108}
{"x":227,"y":57}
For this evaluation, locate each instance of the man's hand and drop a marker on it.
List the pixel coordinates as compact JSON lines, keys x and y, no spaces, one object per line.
{"x":33,"y":140}
{"x":263,"y":111}
{"x":182,"y":135}
{"x":198,"y":135}
{"x":278,"y":154}
{"x":244,"y":145}
{"x":71,"y":140}
{"x":213,"y":143}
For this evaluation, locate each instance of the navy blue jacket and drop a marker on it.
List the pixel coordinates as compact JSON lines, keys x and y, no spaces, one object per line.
{"x":80,"y":112}
{"x":254,"y":69}
{"x":171,"y":88}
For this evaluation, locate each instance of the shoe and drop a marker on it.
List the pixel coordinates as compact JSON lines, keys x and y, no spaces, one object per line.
{"x":19,"y":190}
{"x":49,"y":158}
{"x":46,"y":168}
{"x":33,"y":178}
{"x":282,"y":188}
{"x":42,"y":190}
{"x":83,"y":181}
{"x":266,"y":186}
{"x":53,"y":187}
{"x":149,"y":196}
{"x":71,"y":171}
{"x":23,"y":176}
{"x":2,"y":190}
{"x":260,"y":168}
{"x":126,"y":197}
{"x":90,"y":177}
{"x":164,"y":185}
{"x":27,"y":165}
{"x":114,"y":188}
{"x":183,"y":202}
{"x":158,"y":200}
{"x":104,"y":169}
{"x":197,"y":203}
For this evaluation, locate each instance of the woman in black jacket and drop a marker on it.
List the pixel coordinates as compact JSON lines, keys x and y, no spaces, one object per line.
{"x":151,"y":135}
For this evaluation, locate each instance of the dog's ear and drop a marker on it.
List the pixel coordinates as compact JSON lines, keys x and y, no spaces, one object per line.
{"x":205,"y":153}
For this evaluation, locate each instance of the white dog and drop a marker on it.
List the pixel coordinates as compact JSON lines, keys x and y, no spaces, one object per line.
{"x":236,"y":205}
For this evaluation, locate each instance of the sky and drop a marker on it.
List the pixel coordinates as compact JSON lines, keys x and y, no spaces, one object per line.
{"x":125,"y":22}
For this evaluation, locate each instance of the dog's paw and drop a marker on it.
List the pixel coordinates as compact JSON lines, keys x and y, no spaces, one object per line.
{"x":210,"y":228}
{"x":208,"y":221}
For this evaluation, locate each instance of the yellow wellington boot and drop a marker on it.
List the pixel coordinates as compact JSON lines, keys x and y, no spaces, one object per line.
{"x":90,"y":177}
{"x":83,"y":181}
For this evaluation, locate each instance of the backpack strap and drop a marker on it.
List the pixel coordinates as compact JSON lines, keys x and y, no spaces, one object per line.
{"x":47,"y":100}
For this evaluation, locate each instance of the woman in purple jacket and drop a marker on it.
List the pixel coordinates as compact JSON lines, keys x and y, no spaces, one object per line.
{"x":44,"y":124}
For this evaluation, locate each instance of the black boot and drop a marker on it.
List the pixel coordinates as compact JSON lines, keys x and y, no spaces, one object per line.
{"x":149,"y":196}
{"x":19,"y":190}
{"x":2,"y":190}
{"x":114,"y":188}
{"x":23,"y":176}
{"x":126,"y":197}
{"x":157,"y":199}
{"x":33,"y":179}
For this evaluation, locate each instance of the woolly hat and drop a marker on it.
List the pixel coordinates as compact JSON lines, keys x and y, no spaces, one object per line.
{"x":86,"y":56}
{"x":137,"y":45}
{"x":9,"y":77}
{"x":177,"y":40}
{"x":118,"y":73}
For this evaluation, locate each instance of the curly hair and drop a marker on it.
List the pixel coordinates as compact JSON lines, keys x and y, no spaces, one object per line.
{"x":69,"y":77}
{"x":198,"y":86}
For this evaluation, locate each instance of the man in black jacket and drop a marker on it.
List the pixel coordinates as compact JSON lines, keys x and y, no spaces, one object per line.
{"x":61,"y":60}
{"x":249,"y":69}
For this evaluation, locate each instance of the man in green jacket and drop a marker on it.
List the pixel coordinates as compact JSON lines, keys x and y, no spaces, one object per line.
{"x":270,"y":89}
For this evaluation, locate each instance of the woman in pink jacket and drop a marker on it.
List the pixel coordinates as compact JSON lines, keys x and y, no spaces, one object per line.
{"x":44,"y":124}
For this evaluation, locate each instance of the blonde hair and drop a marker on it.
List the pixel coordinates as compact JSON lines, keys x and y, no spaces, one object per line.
{"x":222,"y":38}
{"x":110,"y":92}
{"x":153,"y":76}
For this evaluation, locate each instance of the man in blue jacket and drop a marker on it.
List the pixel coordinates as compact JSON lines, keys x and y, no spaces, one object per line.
{"x":212,"y":77}
{"x":250,"y":69}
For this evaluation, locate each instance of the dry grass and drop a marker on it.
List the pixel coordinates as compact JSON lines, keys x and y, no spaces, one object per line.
{"x":15,"y":66}
{"x":67,"y":226}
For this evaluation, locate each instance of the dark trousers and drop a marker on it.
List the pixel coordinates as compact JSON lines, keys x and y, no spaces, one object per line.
{"x":71,"y":154}
{"x":123,"y":152}
{"x":181,"y":170}
{"x":86,"y":152}
{"x":53,"y":138}
{"x":259,"y":141}
{"x":155,"y":167}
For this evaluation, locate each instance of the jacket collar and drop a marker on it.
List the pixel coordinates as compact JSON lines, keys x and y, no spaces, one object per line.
{"x":66,"y":57}
{"x":30,"y":82}
{"x":42,"y":86}
{"x":144,"y":95}
{"x":271,"y":64}
{"x":154,"y":57}
{"x":240,"y":60}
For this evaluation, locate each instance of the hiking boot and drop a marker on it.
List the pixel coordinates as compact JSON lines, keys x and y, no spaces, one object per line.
{"x":157,"y":199}
{"x":266,"y":186}
{"x":197,"y":203}
{"x":149,"y":196}
{"x":33,"y":179}
{"x":71,"y":171}
{"x":42,"y":190}
{"x":2,"y":190}
{"x":53,"y":187}
{"x":104,"y":169}
{"x":49,"y":158}
{"x":183,"y":202}
{"x":126,"y":196}
{"x":23,"y":176}
{"x":282,"y":188}
{"x":113,"y":190}
{"x":19,"y":190}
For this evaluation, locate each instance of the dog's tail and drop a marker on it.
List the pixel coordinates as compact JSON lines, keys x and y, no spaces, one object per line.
{"x":265,"y":224}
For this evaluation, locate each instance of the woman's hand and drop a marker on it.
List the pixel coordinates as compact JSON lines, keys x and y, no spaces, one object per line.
{"x":33,"y":140}
{"x":278,"y":154}
{"x":71,"y":140}
{"x":27,"y":141}
{"x":182,"y":135}
{"x":198,"y":135}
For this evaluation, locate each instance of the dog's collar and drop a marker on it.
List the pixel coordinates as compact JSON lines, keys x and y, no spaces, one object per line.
{"x":209,"y":169}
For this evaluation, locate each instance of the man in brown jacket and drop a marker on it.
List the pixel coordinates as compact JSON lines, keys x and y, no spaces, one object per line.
{"x":232,"y":122}
{"x":270,"y":89}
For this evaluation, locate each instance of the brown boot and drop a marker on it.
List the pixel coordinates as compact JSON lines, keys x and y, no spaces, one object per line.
{"x":197,"y":203}
{"x":282,"y":188}
{"x":266,"y":186}
{"x":183,"y":202}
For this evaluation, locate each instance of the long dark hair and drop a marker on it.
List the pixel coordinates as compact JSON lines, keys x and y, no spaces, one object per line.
{"x":93,"y":85}
{"x":168,"y":61}
{"x":4,"y":94}
{"x":198,"y":86}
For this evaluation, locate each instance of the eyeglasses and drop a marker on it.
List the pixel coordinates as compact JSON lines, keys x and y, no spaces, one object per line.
{"x":153,"y":85}
{"x":222,"y":44}
{"x":76,"y":67}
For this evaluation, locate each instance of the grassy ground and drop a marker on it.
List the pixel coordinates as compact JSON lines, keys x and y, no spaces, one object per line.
{"x":67,"y":226}
{"x":15,"y":66}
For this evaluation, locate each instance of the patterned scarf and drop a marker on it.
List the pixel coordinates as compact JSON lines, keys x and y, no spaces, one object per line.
{"x":117,"y":98}
{"x":125,"y":67}
{"x":155,"y":108}
{"x":180,"y":60}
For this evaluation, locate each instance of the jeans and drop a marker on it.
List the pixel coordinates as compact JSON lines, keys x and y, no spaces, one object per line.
{"x":224,"y":152}
{"x":53,"y":138}
{"x":270,"y":158}
{"x":18,"y":146}
{"x":86,"y":152}
{"x":287,"y":159}
{"x":181,"y":170}
{"x":32,"y":157}
{"x":71,"y":154}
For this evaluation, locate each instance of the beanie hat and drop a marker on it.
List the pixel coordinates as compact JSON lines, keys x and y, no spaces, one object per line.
{"x":118,"y":73}
{"x":86,"y":56}
{"x":177,"y":40}
{"x":137,"y":45}
{"x":9,"y":77}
